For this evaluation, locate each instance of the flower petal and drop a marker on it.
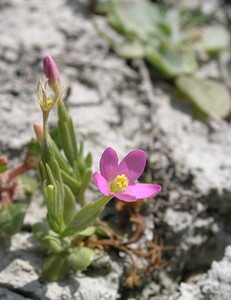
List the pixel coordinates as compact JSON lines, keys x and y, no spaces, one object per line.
{"x":143,"y":190}
{"x":125,"y":197}
{"x":101,"y":183}
{"x":109,"y":164}
{"x":133,"y":165}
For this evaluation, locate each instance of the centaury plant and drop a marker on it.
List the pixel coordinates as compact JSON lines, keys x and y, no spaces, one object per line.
{"x":65,"y":174}
{"x":13,"y":180}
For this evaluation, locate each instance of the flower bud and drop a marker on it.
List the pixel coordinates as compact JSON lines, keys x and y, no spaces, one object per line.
{"x":52,"y":73}
{"x":38,"y":132}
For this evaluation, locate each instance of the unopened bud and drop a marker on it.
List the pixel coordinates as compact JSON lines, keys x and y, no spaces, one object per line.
{"x":38,"y":132}
{"x":52,"y":73}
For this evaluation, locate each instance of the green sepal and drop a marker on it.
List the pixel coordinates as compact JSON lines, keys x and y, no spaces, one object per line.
{"x":47,"y":238}
{"x":42,"y":171}
{"x":80,"y":258}
{"x":11,"y":218}
{"x":52,"y":195}
{"x":55,"y":267}
{"x":55,"y":175}
{"x":69,"y":208}
{"x":86,"y":215}
{"x":47,"y":152}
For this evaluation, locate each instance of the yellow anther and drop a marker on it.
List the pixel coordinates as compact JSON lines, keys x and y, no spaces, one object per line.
{"x":121,"y":181}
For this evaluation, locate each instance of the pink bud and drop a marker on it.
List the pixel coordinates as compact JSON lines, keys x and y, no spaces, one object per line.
{"x":38,"y":132}
{"x":51,"y":71}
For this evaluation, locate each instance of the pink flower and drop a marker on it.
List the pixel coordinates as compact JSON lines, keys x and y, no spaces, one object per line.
{"x":51,"y":71}
{"x":118,"y":179}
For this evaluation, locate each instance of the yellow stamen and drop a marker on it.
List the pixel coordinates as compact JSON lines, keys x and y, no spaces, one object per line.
{"x":121,"y":181}
{"x":119,"y":184}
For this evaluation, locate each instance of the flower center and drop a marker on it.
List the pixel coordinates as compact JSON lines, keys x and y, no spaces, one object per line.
{"x":119,"y":184}
{"x":121,"y":181}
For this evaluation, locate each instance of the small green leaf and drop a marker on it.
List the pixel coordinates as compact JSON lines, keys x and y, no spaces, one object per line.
{"x":47,"y":238}
{"x":103,"y":232}
{"x":135,"y":18}
{"x":80,"y":258}
{"x":89,"y":231}
{"x":11,"y":218}
{"x":172,"y":62}
{"x":55,"y":267}
{"x":71,"y":182}
{"x":131,"y":50}
{"x":209,"y":96}
{"x":214,"y":39}
{"x":86,"y":216}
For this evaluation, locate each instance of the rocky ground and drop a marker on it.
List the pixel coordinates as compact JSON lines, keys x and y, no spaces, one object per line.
{"x":116,"y":104}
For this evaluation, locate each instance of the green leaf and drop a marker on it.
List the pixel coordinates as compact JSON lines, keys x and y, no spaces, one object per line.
{"x":135,"y":18}
{"x":214,"y":39}
{"x":55,"y":267}
{"x":71,"y":182}
{"x":131,"y":50}
{"x":11,"y":218}
{"x":89,"y":231}
{"x":60,"y":159}
{"x":47,"y":237}
{"x":69,"y":209}
{"x":67,"y":134}
{"x":103,"y":232}
{"x":172,"y":62}
{"x":29,"y":184}
{"x":86,"y":215}
{"x":80,"y":258}
{"x":209,"y":96}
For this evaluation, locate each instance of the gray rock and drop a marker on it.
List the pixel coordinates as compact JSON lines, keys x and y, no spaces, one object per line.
{"x":215,"y":285}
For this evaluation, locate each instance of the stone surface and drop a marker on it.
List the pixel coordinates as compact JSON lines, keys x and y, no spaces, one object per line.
{"x":216,"y":284}
{"x":20,"y":274}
